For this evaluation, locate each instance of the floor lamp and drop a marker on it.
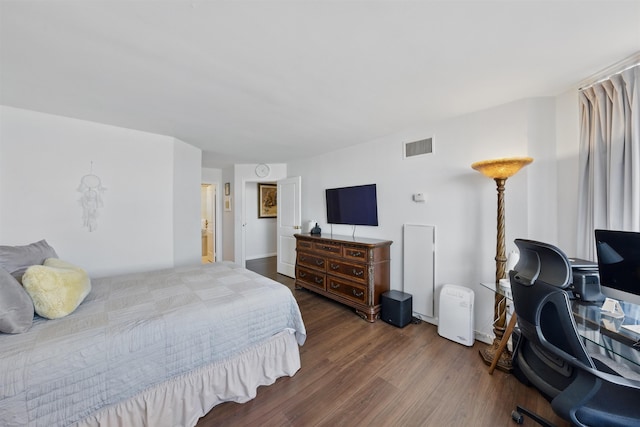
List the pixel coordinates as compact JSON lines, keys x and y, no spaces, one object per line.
{"x":499,"y":170}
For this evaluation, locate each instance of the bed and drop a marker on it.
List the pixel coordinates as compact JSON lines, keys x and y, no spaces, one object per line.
{"x":159,"y":349}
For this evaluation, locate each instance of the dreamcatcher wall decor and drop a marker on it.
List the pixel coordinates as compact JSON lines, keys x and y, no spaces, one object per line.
{"x":91,"y":199}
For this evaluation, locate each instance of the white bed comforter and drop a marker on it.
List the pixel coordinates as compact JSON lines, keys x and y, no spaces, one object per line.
{"x":134,"y":332}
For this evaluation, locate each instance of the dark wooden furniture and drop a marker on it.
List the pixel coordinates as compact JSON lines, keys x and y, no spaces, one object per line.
{"x":353,"y":271}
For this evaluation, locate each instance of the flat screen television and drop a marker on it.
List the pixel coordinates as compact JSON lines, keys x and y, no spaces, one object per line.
{"x":357,"y":205}
{"x":619,"y":260}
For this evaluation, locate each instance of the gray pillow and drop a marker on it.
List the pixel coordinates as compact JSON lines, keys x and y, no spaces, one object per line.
{"x":16,"y":259}
{"x":16,"y":307}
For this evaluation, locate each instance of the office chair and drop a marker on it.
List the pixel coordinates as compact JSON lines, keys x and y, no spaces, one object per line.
{"x":551,"y":355}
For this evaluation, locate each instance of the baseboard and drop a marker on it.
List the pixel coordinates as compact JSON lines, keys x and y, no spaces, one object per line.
{"x":485,"y":338}
{"x":251,"y":258}
{"x":479,"y":336}
{"x":424,"y":318}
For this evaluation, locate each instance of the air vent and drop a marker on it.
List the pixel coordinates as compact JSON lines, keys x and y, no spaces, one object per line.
{"x":418,"y":148}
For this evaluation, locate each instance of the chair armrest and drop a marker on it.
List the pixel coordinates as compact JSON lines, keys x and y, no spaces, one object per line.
{"x":616,"y":379}
{"x":612,"y":378}
{"x":596,"y":398}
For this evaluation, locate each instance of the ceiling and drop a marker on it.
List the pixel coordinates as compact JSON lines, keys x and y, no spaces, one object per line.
{"x":272,"y":81}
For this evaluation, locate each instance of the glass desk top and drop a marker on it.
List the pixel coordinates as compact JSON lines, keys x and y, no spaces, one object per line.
{"x":616,"y":338}
{"x":610,"y":336}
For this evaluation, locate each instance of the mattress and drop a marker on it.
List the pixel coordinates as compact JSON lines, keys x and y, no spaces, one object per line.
{"x":135,"y":334}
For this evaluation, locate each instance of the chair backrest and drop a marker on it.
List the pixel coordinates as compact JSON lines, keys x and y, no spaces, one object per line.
{"x":545,"y":320}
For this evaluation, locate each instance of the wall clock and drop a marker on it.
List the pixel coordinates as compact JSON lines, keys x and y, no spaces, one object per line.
{"x":262,"y":170}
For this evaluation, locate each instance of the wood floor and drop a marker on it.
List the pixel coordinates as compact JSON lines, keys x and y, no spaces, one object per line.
{"x":358,"y":373}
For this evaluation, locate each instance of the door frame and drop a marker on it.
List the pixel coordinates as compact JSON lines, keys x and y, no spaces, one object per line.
{"x":278,"y":172}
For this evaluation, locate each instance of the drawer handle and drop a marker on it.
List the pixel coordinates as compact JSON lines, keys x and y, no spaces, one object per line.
{"x":356,"y":253}
{"x":318,"y":280}
{"x":319,"y":262}
{"x":303,"y":258}
{"x":358,"y":273}
{"x":334,"y":286}
{"x":335,"y":266}
{"x":302,"y":274}
{"x":358,"y":294}
{"x":327,"y":248}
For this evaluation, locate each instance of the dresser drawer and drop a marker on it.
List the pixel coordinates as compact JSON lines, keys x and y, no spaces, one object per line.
{"x":303,"y":244}
{"x":311,"y":261}
{"x":328,"y":248}
{"x":355,"y":253}
{"x":311,"y":277}
{"x":349,"y":290}
{"x":357,"y":272}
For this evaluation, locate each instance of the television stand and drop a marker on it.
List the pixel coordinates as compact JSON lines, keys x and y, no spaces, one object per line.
{"x":353,"y":271}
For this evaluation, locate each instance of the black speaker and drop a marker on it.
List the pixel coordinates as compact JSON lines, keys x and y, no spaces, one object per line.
{"x":396,"y":308}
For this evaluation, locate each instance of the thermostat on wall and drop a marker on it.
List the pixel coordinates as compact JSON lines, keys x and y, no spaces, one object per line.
{"x":419,"y":198}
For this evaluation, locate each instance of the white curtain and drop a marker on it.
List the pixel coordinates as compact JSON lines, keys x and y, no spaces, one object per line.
{"x":609,"y":161}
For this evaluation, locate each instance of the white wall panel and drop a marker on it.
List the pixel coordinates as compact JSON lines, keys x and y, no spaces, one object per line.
{"x":419,"y":277}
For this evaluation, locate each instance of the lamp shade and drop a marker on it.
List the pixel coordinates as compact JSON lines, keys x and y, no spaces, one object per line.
{"x":501,"y":168}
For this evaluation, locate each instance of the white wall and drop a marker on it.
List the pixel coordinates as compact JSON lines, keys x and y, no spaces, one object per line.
{"x":542,"y":212}
{"x":187,"y":237}
{"x":45,"y":156}
{"x":567,"y":158}
{"x":229,"y":235}
{"x":461,"y":203}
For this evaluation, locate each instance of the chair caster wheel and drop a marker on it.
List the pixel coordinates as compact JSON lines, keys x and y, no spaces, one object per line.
{"x":517,"y":417}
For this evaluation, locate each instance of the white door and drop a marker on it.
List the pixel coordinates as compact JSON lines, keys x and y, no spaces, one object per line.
{"x":288,"y":223}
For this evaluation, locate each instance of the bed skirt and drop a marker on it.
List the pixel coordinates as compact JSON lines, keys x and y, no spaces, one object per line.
{"x":181,"y":401}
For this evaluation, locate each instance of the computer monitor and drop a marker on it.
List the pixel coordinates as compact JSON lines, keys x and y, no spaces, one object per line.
{"x":619,"y":260}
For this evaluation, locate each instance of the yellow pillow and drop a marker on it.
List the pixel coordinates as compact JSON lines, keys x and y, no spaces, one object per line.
{"x":57,"y":288}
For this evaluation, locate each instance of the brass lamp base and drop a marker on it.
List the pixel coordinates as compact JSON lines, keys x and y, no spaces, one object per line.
{"x":504,"y":359}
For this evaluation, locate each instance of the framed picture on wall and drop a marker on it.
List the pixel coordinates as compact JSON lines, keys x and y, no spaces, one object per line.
{"x":227,"y":189}
{"x":267,"y":200}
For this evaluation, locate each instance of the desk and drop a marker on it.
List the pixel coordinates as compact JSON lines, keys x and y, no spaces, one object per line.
{"x":603,"y":334}
{"x":607,"y":335}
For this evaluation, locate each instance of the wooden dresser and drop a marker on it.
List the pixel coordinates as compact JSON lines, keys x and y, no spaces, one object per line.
{"x":353,"y":271}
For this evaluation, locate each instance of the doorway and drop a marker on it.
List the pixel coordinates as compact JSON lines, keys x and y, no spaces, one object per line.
{"x":258,"y":228}
{"x":208,"y":222}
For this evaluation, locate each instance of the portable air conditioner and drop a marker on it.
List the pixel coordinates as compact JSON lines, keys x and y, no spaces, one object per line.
{"x":456,"y":314}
